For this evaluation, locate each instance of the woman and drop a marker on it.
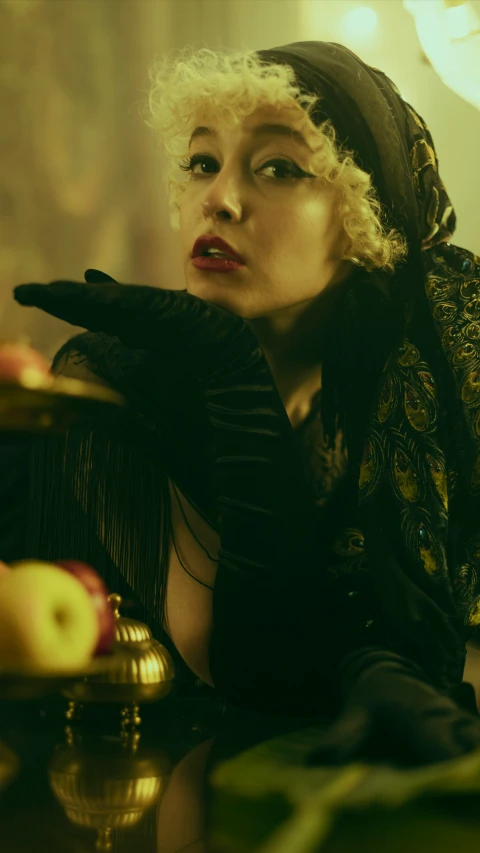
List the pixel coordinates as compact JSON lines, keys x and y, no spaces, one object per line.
{"x":308,"y":414}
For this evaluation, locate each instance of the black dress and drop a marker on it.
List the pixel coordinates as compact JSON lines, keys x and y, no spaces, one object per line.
{"x":279,"y":647}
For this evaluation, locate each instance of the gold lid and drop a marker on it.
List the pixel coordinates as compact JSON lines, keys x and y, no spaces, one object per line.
{"x":128,"y":630}
{"x":144,"y":671}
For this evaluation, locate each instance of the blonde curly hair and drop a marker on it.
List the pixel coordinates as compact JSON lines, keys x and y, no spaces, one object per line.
{"x":232,"y":85}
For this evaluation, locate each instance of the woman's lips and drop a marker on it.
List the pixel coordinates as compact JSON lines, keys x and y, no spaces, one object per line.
{"x":212,"y":264}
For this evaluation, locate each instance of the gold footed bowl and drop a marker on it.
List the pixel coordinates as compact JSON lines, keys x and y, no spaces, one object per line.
{"x":22,"y":683}
{"x":145,"y":673}
{"x":38,"y":403}
{"x":106,"y":783}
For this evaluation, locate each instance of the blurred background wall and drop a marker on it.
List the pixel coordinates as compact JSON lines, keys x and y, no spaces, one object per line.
{"x":80,"y":174}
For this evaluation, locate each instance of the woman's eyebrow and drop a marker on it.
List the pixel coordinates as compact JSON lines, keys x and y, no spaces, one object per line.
{"x":259,"y":130}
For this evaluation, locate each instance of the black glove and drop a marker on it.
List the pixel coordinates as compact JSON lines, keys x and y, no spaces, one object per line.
{"x":391,"y":711}
{"x":97,"y":277}
{"x":193,"y":335}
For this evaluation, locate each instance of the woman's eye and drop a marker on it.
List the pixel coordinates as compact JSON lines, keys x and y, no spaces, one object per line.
{"x":283,"y":169}
{"x":190,"y":165}
{"x":201,"y":164}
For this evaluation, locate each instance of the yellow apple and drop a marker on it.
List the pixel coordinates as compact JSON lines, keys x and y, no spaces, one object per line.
{"x":3,"y":568}
{"x":47,"y":620}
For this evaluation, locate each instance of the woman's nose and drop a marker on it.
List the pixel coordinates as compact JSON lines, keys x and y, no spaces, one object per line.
{"x":222,"y":202}
{"x":218,"y":211}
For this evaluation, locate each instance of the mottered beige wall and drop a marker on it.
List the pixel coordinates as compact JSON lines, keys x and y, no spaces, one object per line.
{"x":80,"y":174}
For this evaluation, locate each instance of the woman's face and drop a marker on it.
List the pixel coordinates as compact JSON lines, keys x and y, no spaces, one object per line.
{"x":255,"y":187}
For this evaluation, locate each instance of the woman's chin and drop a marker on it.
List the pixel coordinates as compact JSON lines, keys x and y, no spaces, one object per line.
{"x":216,"y":292}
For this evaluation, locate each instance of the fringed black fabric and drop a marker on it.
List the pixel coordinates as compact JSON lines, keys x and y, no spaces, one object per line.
{"x":100,"y":495}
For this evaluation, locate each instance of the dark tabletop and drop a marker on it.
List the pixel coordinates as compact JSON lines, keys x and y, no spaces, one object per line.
{"x":63,"y":785}
{"x":85,"y":786}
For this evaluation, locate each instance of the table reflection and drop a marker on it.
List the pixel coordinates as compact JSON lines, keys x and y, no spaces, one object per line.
{"x":89,"y":787}
{"x":106,"y":782}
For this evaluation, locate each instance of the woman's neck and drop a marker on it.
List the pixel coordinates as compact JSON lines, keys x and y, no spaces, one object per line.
{"x":292,"y":342}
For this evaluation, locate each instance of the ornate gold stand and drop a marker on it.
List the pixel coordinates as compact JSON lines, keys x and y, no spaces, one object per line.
{"x":47,"y":404}
{"x":145,"y":673}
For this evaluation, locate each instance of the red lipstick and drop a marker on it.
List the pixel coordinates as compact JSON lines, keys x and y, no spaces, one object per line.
{"x":224,"y":259}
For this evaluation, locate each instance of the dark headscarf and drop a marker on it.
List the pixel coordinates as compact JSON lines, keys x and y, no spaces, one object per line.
{"x":401,"y":372}
{"x":387,"y":137}
{"x":391,"y":142}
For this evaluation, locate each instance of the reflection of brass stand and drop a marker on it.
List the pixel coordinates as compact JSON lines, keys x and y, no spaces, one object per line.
{"x":74,"y":713}
{"x":145,"y":673}
{"x":104,"y":840}
{"x":130,"y":717}
{"x":106,"y":783}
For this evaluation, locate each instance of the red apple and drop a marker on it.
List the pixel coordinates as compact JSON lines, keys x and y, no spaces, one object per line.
{"x":18,"y":362}
{"x":96,"y":588}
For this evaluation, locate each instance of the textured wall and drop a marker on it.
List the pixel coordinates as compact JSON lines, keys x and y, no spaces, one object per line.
{"x":80,"y":181}
{"x":80,"y":176}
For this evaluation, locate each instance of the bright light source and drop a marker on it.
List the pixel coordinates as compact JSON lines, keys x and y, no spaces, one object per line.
{"x":460,"y":21}
{"x":450,"y":37}
{"x":359,"y":25}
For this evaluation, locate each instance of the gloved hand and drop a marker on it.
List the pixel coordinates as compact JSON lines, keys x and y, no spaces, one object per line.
{"x":391,"y":711}
{"x":195,"y":336}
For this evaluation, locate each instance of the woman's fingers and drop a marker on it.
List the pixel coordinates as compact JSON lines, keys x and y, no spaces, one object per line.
{"x":344,"y":739}
{"x":189,"y":331}
{"x":97,"y":276}
{"x":130,"y":312}
{"x":441,"y":737}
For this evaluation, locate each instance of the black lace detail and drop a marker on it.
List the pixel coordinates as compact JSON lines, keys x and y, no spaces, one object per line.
{"x":325,"y":467}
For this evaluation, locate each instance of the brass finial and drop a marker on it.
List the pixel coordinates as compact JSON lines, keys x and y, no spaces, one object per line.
{"x":115,"y":601}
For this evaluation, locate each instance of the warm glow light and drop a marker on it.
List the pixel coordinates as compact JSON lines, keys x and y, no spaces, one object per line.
{"x":449,"y":34}
{"x":460,"y":21}
{"x":359,"y":25}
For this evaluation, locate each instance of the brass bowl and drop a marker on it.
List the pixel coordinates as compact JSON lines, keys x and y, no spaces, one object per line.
{"x":19,"y":684}
{"x":40,"y":403}
{"x":145,"y":671}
